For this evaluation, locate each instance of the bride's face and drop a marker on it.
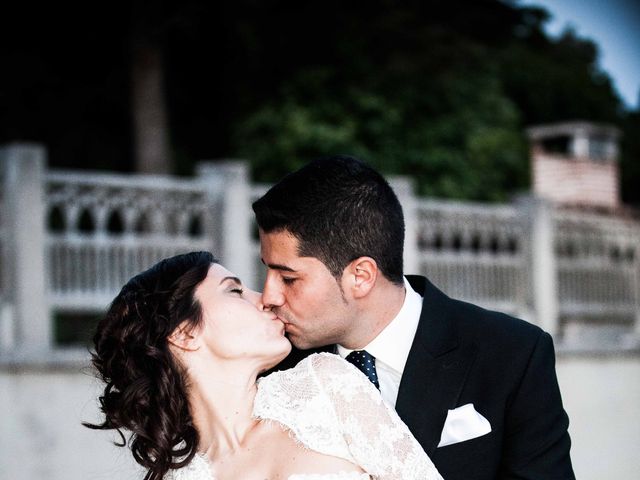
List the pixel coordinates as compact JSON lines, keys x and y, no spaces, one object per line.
{"x":235,"y":323}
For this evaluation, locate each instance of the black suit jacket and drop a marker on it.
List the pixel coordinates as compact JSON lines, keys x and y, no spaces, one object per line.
{"x":505,"y":367}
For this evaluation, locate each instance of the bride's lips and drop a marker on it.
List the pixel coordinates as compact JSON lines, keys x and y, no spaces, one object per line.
{"x":285,"y":324}
{"x":278,"y":319}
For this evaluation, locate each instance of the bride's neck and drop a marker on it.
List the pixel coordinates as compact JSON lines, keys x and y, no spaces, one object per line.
{"x":221,"y":402}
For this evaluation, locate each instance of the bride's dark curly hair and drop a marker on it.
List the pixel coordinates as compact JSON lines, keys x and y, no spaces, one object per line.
{"x":145,"y":390}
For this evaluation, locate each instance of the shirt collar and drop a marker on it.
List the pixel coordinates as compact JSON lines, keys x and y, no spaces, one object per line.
{"x":393,"y":343}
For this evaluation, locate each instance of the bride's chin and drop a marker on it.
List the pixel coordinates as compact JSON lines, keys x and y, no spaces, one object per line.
{"x":276,"y":358}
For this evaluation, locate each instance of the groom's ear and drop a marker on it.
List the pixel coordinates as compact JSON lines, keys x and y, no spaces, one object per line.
{"x":362,"y":274}
{"x":184,"y":338}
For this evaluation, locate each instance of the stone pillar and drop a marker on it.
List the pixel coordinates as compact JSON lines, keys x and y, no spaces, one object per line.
{"x":580,"y":144}
{"x":23,"y":168}
{"x":230,"y":197}
{"x":542,"y":261}
{"x":405,"y":191}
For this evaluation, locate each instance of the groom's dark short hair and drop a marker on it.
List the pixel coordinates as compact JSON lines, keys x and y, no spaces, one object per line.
{"x":339,"y":209}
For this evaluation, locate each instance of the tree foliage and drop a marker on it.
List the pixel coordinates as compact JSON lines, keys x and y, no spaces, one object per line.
{"x":440,"y":90}
{"x":442,"y":93}
{"x":630,"y":159}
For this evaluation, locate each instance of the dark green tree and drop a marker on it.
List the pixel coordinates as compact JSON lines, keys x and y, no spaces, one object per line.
{"x":440,"y":90}
{"x":630,"y":159}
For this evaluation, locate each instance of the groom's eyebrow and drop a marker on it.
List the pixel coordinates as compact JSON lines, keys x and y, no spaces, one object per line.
{"x":277,"y":266}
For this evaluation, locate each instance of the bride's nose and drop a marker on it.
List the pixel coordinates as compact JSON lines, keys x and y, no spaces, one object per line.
{"x":256,"y":299}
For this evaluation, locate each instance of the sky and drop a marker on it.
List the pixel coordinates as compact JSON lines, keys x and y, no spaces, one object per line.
{"x":614,"y":25}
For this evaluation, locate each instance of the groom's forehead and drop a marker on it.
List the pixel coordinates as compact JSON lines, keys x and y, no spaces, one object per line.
{"x":278,"y":246}
{"x":280,"y":251}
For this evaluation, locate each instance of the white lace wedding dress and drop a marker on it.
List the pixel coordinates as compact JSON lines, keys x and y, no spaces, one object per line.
{"x":329,"y":406}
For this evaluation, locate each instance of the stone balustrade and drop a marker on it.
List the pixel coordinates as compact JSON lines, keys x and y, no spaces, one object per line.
{"x":69,"y":240}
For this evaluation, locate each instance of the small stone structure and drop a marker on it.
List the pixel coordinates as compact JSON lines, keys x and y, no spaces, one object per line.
{"x":575,"y":164}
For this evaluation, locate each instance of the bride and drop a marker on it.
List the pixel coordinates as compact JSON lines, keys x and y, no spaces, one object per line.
{"x":180,"y":351}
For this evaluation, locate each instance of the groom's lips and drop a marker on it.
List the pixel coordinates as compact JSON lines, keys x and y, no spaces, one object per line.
{"x":287,"y":325}
{"x":280,"y":317}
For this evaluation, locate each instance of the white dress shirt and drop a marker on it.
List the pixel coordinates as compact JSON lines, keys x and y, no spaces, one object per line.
{"x":391,"y":346}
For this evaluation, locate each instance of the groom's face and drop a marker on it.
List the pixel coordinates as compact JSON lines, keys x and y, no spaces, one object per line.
{"x":303,"y":293}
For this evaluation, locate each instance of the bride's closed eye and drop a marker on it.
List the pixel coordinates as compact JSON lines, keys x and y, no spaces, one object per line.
{"x":237,"y":290}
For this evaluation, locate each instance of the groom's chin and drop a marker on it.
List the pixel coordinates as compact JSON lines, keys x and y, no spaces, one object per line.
{"x":301,"y":346}
{"x":300,"y":343}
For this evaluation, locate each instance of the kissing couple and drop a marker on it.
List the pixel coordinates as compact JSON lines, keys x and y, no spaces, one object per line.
{"x":388,"y":377}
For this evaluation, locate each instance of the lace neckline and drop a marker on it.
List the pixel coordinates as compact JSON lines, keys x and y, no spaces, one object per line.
{"x":200,"y":464}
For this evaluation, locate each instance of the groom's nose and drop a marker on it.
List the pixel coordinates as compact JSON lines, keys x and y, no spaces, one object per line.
{"x":272,"y":295}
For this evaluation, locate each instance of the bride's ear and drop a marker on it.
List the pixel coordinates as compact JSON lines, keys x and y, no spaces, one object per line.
{"x":183,"y":338}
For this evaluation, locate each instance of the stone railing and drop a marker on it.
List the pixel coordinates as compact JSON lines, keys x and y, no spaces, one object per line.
{"x":103,"y":229}
{"x":598,"y":268}
{"x":475,"y":252}
{"x":70,"y":240}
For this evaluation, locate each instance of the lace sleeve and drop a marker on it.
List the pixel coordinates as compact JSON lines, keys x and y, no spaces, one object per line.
{"x":377,"y":438}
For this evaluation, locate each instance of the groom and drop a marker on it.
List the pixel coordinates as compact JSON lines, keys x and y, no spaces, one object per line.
{"x":478,"y":389}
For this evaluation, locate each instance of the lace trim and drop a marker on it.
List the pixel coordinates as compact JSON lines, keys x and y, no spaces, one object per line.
{"x":197,"y":469}
{"x":342,"y":475}
{"x":284,"y":428}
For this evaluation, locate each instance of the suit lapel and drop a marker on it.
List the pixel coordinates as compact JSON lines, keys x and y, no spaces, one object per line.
{"x":436,"y":369}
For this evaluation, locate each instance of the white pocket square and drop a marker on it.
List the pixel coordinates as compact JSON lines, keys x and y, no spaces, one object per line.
{"x":463,"y":423}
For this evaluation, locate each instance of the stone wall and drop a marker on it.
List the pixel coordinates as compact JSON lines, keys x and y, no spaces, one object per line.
{"x":42,"y":411}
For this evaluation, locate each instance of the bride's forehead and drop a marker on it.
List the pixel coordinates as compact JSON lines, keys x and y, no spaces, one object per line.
{"x":218,"y":272}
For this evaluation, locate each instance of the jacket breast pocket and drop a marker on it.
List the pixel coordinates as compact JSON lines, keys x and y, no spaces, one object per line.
{"x":477,"y":458}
